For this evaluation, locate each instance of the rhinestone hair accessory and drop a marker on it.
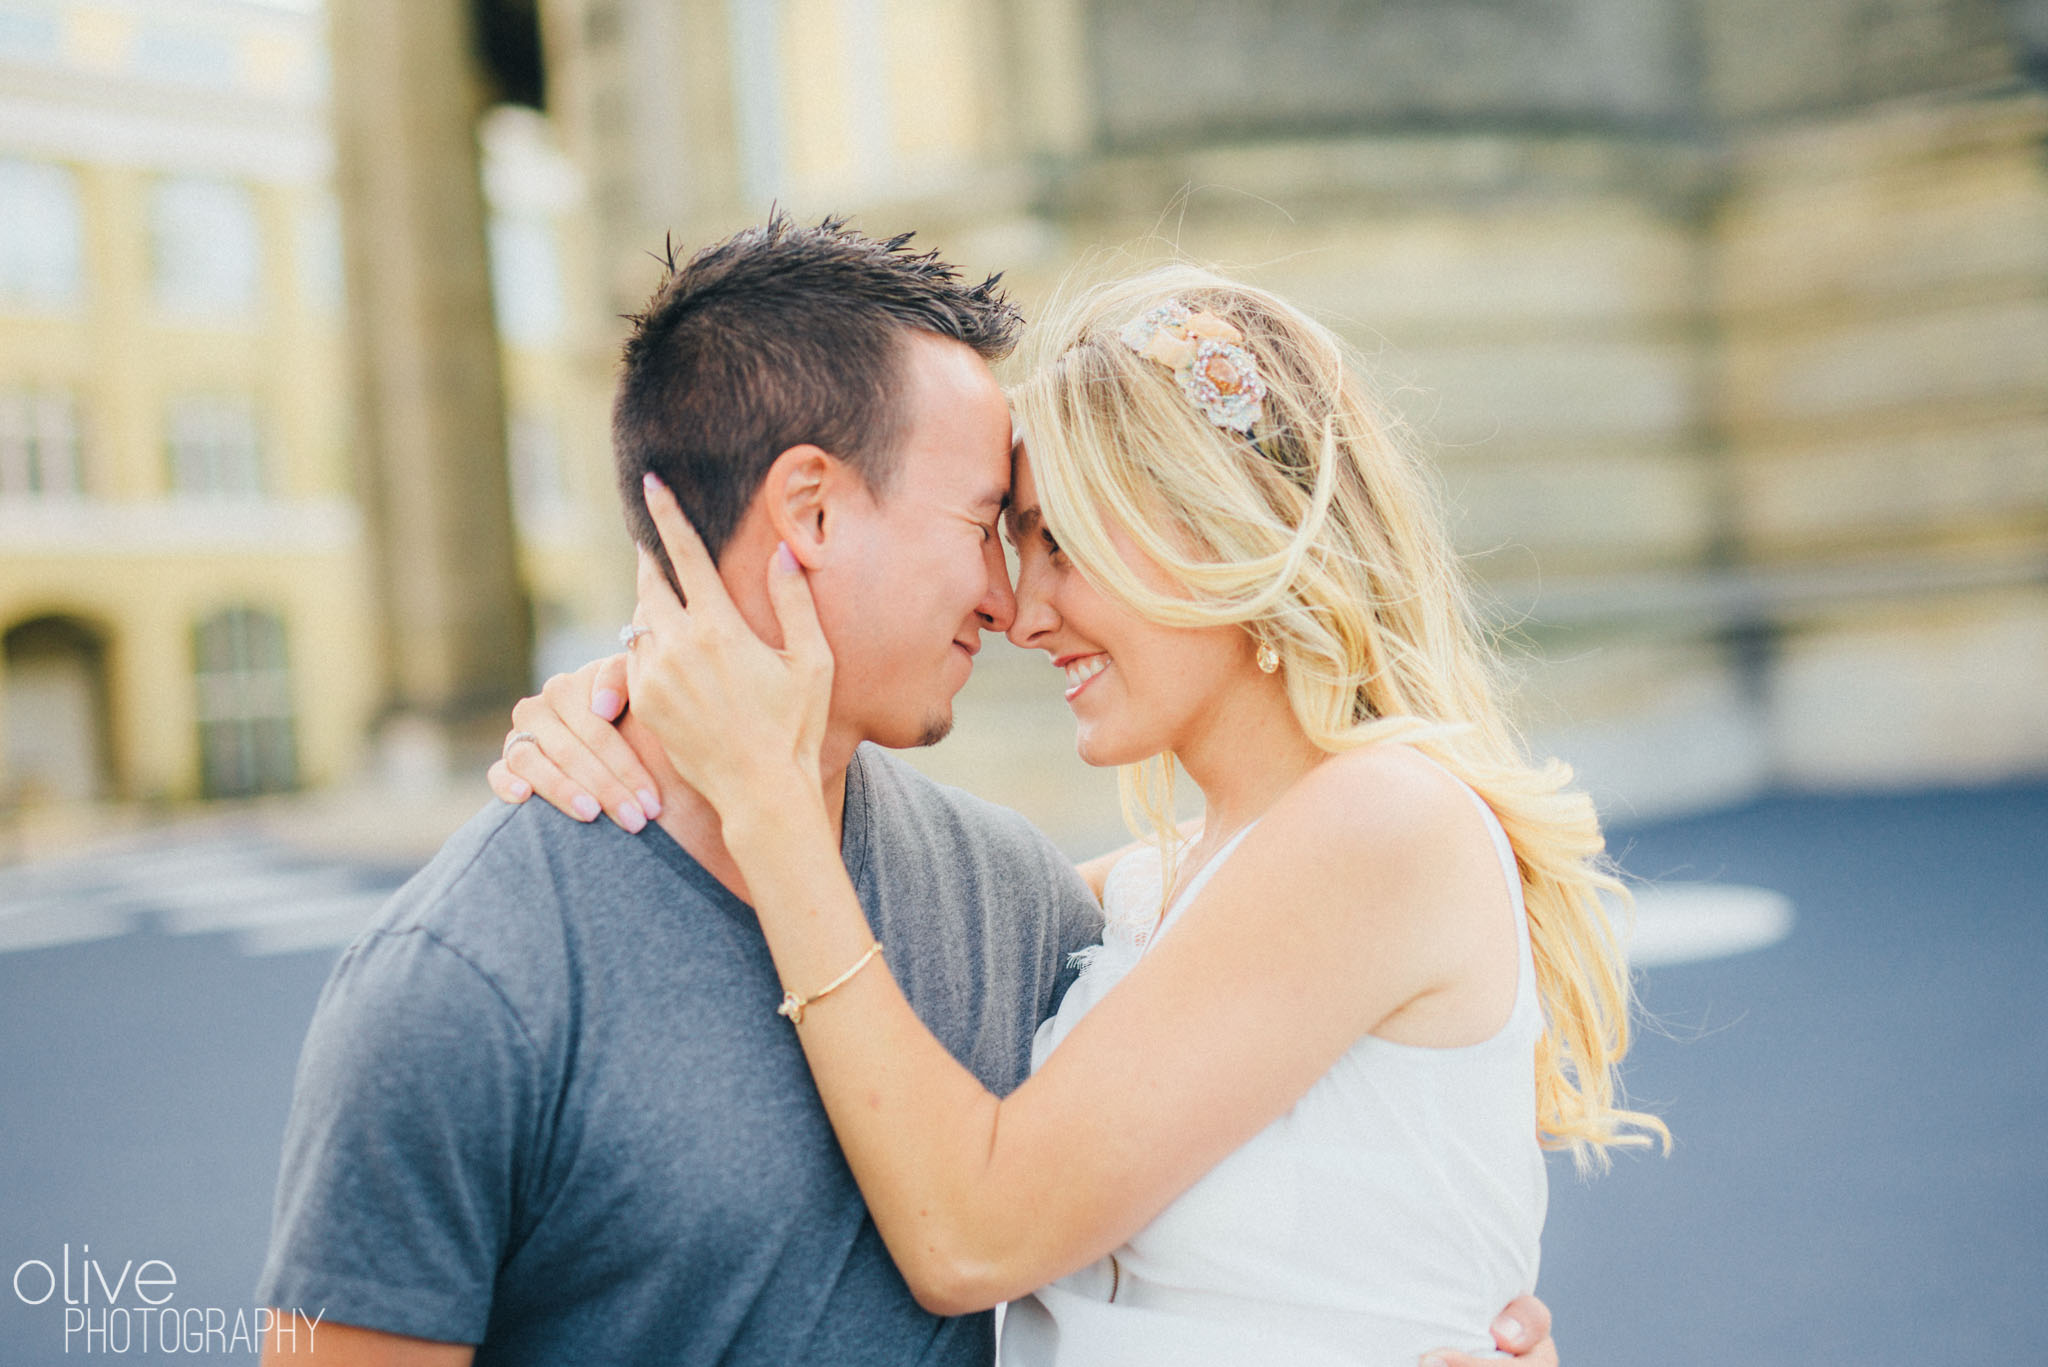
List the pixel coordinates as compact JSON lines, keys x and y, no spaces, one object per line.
{"x":1208,"y":359}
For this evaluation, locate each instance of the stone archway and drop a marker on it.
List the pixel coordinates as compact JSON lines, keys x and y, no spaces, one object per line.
{"x":53,"y":712}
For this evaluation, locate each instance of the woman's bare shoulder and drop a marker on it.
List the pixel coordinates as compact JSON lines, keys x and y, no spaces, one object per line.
{"x":1389,"y":805}
{"x":1395,"y":871}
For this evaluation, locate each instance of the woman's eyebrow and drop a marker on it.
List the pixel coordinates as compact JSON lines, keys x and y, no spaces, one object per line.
{"x":1021,"y":521}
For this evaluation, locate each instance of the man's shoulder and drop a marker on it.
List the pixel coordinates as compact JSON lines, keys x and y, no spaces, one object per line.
{"x":902,"y":796}
{"x":463,"y":890}
{"x":498,"y":902}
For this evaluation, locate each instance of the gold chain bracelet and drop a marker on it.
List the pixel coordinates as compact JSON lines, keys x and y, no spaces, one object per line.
{"x":793,"y":1005}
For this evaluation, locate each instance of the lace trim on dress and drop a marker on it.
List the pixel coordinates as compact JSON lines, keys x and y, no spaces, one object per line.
{"x":1129,"y":906}
{"x":1130,"y":901}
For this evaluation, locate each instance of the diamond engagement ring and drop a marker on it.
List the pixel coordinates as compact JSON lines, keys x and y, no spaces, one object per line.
{"x":632,"y":632}
{"x":516,"y":738}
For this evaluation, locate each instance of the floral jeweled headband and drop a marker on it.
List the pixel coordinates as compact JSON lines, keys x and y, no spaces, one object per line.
{"x":1208,"y":359}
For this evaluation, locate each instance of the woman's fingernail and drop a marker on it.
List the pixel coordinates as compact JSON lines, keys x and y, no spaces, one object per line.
{"x":631,"y":818}
{"x":522,"y":790}
{"x":586,"y":807}
{"x":784,"y":561}
{"x":649,"y":482}
{"x":650,"y":802}
{"x":605,"y":702}
{"x":1507,"y":1327}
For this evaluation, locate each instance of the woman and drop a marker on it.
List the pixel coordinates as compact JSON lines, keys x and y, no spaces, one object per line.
{"x":1288,"y":1111}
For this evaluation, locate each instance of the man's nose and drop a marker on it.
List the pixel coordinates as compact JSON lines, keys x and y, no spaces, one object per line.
{"x":998,"y":606}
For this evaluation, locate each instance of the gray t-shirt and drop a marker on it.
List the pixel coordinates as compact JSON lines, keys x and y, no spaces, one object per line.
{"x":546,"y":1105}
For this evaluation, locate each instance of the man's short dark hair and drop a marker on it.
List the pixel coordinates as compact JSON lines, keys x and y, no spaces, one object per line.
{"x":779,"y":336}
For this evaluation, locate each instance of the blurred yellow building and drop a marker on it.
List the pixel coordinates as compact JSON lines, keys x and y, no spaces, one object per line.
{"x":179,"y":578}
{"x":183,"y":582}
{"x":1727,"y":322}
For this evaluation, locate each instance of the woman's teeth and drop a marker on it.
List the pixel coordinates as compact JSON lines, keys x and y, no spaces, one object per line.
{"x":1081,"y":671}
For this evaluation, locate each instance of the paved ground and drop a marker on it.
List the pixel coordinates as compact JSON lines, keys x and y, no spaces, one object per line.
{"x":1859,"y":1178}
{"x":1860,"y":1174}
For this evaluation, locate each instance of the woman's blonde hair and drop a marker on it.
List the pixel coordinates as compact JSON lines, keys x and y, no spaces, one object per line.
{"x":1321,"y":534}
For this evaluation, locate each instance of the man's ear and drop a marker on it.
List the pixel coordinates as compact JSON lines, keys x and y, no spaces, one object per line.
{"x":803,"y":496}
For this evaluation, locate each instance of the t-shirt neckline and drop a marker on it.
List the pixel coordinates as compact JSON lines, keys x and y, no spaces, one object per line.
{"x":853,"y":847}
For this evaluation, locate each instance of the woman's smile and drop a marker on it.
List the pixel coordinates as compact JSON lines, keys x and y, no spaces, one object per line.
{"x":1081,"y":670}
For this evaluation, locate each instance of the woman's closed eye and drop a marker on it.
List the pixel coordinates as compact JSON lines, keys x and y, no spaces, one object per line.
{"x":1022,"y":525}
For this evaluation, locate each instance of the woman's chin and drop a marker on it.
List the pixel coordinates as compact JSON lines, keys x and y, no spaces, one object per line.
{"x":1100,"y":749}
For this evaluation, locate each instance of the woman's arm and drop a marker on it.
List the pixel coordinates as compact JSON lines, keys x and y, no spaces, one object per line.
{"x":1264,"y":983}
{"x":1315,"y":932}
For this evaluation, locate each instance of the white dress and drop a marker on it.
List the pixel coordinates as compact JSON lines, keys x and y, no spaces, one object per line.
{"x":1395,"y":1209}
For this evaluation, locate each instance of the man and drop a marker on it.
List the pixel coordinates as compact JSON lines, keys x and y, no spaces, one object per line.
{"x":546,"y":1112}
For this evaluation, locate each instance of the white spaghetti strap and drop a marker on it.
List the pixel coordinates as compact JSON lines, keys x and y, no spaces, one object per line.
{"x":1526,"y":998}
{"x":1201,"y":879}
{"x":1502,"y":846}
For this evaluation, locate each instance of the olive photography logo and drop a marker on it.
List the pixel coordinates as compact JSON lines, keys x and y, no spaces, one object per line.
{"x":134,"y":1310}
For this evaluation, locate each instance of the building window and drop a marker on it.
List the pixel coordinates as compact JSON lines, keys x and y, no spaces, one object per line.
{"x":215,"y":452}
{"x":38,"y":445}
{"x":538,"y":494}
{"x":864,"y":31}
{"x":526,"y":281}
{"x":246,"y":743}
{"x":754,"y":33}
{"x":30,"y":37}
{"x":186,"y":57}
{"x":208,"y":249}
{"x":319,"y":257}
{"x":40,"y":232}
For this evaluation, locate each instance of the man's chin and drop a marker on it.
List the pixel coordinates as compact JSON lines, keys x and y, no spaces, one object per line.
{"x":912,"y":736}
{"x":912,"y":732}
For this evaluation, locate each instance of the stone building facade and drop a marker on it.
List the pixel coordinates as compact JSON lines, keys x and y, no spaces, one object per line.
{"x":1727,"y":321}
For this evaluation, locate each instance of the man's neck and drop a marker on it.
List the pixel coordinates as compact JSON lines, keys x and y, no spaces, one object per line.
{"x":695,"y":824}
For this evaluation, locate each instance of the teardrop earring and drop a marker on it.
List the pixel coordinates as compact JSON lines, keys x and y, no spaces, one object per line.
{"x":1269,"y":658}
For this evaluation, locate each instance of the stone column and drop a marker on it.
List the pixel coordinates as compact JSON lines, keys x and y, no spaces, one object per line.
{"x":1044,"y":79}
{"x":643,"y":93}
{"x":429,"y":401}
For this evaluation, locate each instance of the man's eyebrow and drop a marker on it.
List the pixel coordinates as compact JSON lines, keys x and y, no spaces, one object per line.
{"x":995,"y":498}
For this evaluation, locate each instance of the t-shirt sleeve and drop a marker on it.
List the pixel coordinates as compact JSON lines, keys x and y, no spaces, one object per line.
{"x":411,"y":1114}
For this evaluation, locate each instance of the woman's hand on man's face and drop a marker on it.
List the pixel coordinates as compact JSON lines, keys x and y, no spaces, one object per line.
{"x":740,"y":720}
{"x":565,"y":748}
